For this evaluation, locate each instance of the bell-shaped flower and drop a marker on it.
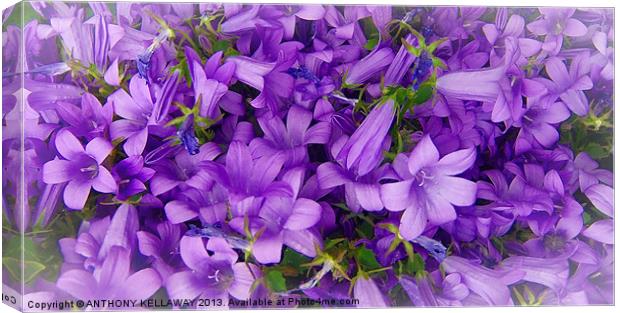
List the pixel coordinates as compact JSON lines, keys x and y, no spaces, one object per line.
{"x":114,"y":281}
{"x":213,"y":276}
{"x":81,"y":168}
{"x":429,"y":189}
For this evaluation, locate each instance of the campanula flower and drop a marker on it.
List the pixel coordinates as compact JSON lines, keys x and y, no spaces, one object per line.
{"x":214,"y":275}
{"x":115,"y":280}
{"x":81,"y":168}
{"x":428,"y":189}
{"x":490,"y":284}
{"x":554,"y":24}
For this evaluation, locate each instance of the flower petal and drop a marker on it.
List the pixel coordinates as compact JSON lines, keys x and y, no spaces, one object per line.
{"x":423,"y":155}
{"x":68,"y":145}
{"x":305,"y":214}
{"x":396,"y":196}
{"x":602,"y":197}
{"x":76,"y":193}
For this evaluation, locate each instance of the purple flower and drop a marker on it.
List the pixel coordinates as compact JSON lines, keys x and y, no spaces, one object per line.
{"x":602,"y":196}
{"x":267,"y":70}
{"x":570,"y":84}
{"x":550,"y":272}
{"x":358,"y":159}
{"x":96,"y":239}
{"x":366,"y":68}
{"x":114,"y":280}
{"x":522,"y":196}
{"x":400,"y":65}
{"x":601,"y":231}
{"x":290,"y":141}
{"x":428,"y":189}
{"x":225,"y":142}
{"x":363,"y":151}
{"x":554,"y":25}
{"x":602,"y":61}
{"x":557,"y":240}
{"x":184,"y":171}
{"x":210,"y":205}
{"x":588,"y":172}
{"x":457,"y":26}
{"x":491,"y":285}
{"x":140,"y":112}
{"x":162,"y":247}
{"x":537,"y":126}
{"x":369,"y":295}
{"x":131,"y":175}
{"x":81,"y":168}
{"x":307,"y":12}
{"x":210,"y":81}
{"x":243,"y":20}
{"x":284,"y":220}
{"x":434,"y":290}
{"x":593,"y":283}
{"x":248,"y":181}
{"x":90,"y":120}
{"x":213,"y":276}
{"x":487,"y":88}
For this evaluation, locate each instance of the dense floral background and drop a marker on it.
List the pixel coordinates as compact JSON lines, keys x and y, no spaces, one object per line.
{"x":397,"y":155}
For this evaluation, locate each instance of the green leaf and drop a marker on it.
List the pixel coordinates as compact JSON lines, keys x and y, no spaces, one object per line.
{"x":587,"y":218}
{"x":411,"y":49}
{"x":221,"y":45}
{"x":371,"y":43}
{"x":15,"y":19}
{"x":230,"y":52}
{"x":275,"y":281}
{"x":31,"y":268}
{"x":12,"y":266}
{"x":424,"y":92}
{"x":366,"y":258}
{"x":293,"y":258}
{"x":438,"y":63}
{"x":415,"y":265}
{"x":596,"y":151}
{"x":431,"y":48}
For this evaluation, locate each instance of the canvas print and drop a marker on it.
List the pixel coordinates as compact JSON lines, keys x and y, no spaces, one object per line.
{"x":226,"y":156}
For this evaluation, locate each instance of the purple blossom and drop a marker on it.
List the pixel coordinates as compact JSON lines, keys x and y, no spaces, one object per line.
{"x":569,"y":85}
{"x":184,"y":171}
{"x":367,"y":67}
{"x":425,"y":156}
{"x":602,"y":60}
{"x":284,"y":220}
{"x":491,"y":285}
{"x":447,"y":291}
{"x":90,"y":120}
{"x":140,"y":112}
{"x":248,"y":181}
{"x":162,"y":247}
{"x":210,"y":82}
{"x":131,"y":175}
{"x":554,"y":25}
{"x":358,"y":158}
{"x":369,"y":294}
{"x":537,"y":126}
{"x":81,"y":168}
{"x":114,"y":280}
{"x":213,"y":275}
{"x":290,"y":141}
{"x":428,"y":189}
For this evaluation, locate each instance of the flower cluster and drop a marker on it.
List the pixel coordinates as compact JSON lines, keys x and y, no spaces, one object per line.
{"x":396,"y":155}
